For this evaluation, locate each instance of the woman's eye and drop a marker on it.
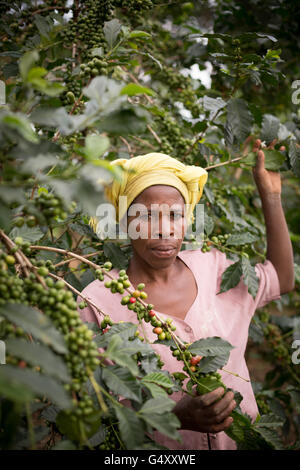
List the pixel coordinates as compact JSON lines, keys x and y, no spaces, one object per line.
{"x":177,"y":216}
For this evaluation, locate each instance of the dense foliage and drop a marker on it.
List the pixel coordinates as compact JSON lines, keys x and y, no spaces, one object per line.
{"x":90,"y":81}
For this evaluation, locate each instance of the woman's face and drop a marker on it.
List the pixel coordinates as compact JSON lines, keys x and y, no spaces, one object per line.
{"x":157,"y":224}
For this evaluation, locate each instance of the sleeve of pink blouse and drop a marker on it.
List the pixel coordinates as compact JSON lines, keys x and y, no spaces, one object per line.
{"x":268,"y":289}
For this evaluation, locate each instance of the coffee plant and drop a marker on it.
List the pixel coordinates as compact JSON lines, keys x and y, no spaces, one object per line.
{"x":84,"y":83}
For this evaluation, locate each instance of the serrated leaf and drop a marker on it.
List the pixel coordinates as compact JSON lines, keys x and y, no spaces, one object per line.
{"x":294,"y":156}
{"x":121,"y":357}
{"x":122,"y":382}
{"x":39,"y":384}
{"x":35,"y":323}
{"x":158,"y":378}
{"x":123,"y":330}
{"x":231,"y":276}
{"x":239,"y":118}
{"x":75,"y":428}
{"x":213,"y":346}
{"x":26,"y":62}
{"x":130,"y":426}
{"x":96,"y":145}
{"x":249,"y":276}
{"x":270,"y":128}
{"x":39,"y":355}
{"x":139,"y":34}
{"x":269,"y":421}
{"x":237,"y":239}
{"x":155,"y":390}
{"x":213,"y":363}
{"x":213,"y":105}
{"x":157,"y":406}
{"x":28,"y":234}
{"x":21,"y":124}
{"x":111,"y":31}
{"x":208,"y":224}
{"x":273,"y":159}
{"x":114,"y":253}
{"x":165,"y":423}
{"x":271,"y":437}
{"x":133,"y":89}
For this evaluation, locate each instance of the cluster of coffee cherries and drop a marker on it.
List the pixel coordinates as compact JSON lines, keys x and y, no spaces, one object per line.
{"x":95,"y":66}
{"x":181,"y":89}
{"x":134,"y":6}
{"x":273,"y":336}
{"x":133,"y":301}
{"x":58,"y":303}
{"x":44,"y":209}
{"x":172,"y":140}
{"x":112,"y":440}
{"x":217,"y":241}
{"x":86,"y":26}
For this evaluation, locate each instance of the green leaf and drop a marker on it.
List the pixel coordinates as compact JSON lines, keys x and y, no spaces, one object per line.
{"x":213,"y":363}
{"x":26,"y":62}
{"x":294,"y":156}
{"x":270,"y":128}
{"x":123,"y":330}
{"x":57,"y":117}
{"x":130,"y":426}
{"x":120,"y":357}
{"x":208,"y":224}
{"x":271,"y":437}
{"x":214,"y":346}
{"x":114,"y":253}
{"x":133,"y":89}
{"x":76,"y":428}
{"x":13,"y":390}
{"x":158,"y":378}
{"x":96,"y":145}
{"x":39,"y":384}
{"x":269,"y":421}
{"x":213,"y":105}
{"x":125,"y":121}
{"x":139,"y":34}
{"x":157,"y":406}
{"x":21,"y":124}
{"x":39,"y":355}
{"x":273,"y":159}
{"x":122,"y":382}
{"x":239,"y":118}
{"x":28,"y":234}
{"x":35,"y":323}
{"x":155,"y":390}
{"x":249,"y":276}
{"x":231,"y":276}
{"x":237,"y":239}
{"x":165,"y":423}
{"x":111,"y":31}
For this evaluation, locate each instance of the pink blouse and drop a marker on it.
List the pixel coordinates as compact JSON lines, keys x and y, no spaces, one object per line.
{"x":227,"y":315}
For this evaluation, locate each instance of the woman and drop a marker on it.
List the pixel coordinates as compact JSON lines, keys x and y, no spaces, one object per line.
{"x":183,"y":285}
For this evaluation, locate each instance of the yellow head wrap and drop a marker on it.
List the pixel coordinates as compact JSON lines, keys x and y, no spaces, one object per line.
{"x":151,"y":169}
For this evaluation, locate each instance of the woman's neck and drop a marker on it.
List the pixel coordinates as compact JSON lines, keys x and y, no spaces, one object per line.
{"x":140,"y":271}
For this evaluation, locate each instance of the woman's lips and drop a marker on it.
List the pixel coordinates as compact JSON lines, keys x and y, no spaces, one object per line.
{"x":163,"y":252}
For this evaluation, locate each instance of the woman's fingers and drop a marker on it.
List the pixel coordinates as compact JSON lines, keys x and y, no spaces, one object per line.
{"x":209,"y":398}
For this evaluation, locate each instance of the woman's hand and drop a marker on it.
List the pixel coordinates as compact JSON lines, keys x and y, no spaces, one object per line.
{"x":268,"y":182}
{"x":206,"y":413}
